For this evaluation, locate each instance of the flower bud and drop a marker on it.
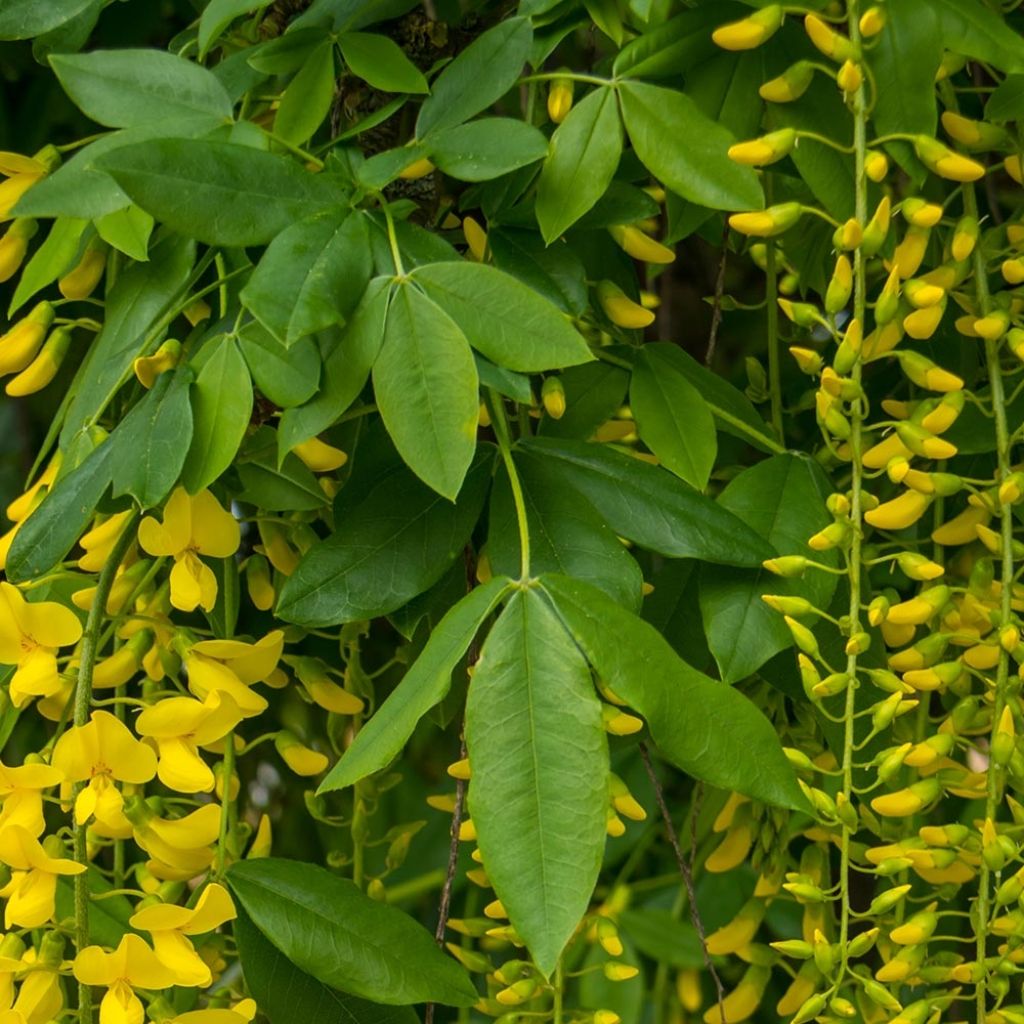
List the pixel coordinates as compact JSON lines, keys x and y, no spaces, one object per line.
{"x":44,"y":367}
{"x":768,"y":149}
{"x":640,"y":245}
{"x":765,"y":223}
{"x":552,"y":396}
{"x":965,"y":237}
{"x":831,"y":43}
{"x":977,"y":136}
{"x":750,"y":32}
{"x":620,"y":308}
{"x":790,"y":85}
{"x":905,"y":802}
{"x":945,"y":162}
{"x":560,"y":99}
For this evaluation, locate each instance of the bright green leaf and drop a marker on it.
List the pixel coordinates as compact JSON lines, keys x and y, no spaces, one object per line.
{"x":308,"y":98}
{"x":381,"y":62}
{"x":539,"y":797}
{"x":487,"y":148}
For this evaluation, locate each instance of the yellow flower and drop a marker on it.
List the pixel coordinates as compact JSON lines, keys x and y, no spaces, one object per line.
{"x":132,"y":965}
{"x":790,"y":85}
{"x":750,"y":32}
{"x":300,"y":758}
{"x":319,"y":456}
{"x":180,"y":726}
{"x":620,"y":308}
{"x":640,"y":245}
{"x":148,"y":368}
{"x":98,"y":542}
{"x":192,"y":526}
{"x":41,"y":997}
{"x":231,"y":666}
{"x":30,"y":892}
{"x":170,"y":926}
{"x":21,"y":789}
{"x":102,"y":751}
{"x":560,"y":99}
{"x":30,"y":634}
{"x":179,"y":848}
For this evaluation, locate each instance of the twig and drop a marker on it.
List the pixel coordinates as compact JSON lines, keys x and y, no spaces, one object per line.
{"x":449,"y":878}
{"x":686,"y":870}
{"x":716,"y":309}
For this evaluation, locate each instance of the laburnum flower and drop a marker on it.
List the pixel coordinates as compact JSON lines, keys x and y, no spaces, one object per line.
{"x":231,"y":667}
{"x":132,"y":965}
{"x":241,"y":1013}
{"x":151,"y":613}
{"x":193,"y":525}
{"x":40,"y":996}
{"x":12,"y":949}
{"x":179,"y":848}
{"x":100,"y":540}
{"x":30,"y":892}
{"x":30,"y":634}
{"x":180,"y":726}
{"x":21,"y":790}
{"x":101,"y":752}
{"x":170,"y":925}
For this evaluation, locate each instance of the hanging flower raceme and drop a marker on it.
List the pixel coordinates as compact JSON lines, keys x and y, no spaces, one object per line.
{"x":30,"y":635}
{"x":179,"y":848}
{"x":101,"y":752}
{"x":171,"y":925}
{"x":132,"y":965}
{"x":193,"y":525}
{"x":35,"y":866}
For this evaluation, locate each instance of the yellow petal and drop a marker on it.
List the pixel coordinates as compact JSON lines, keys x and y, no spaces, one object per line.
{"x":36,"y":676}
{"x":11,"y":632}
{"x":31,"y":903}
{"x":213,"y":908}
{"x":129,"y":759}
{"x":186,"y":588}
{"x":120,"y":1005}
{"x":182,"y":769}
{"x":215,"y":532}
{"x":178,"y":955}
{"x":200,"y":828}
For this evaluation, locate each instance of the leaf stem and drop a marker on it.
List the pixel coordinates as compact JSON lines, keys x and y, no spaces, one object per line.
{"x":396,"y":253}
{"x":501,"y":432}
{"x":83,"y":697}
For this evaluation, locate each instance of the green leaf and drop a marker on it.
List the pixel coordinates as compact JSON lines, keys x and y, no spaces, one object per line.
{"x":783,"y":498}
{"x":672,"y":417}
{"x":664,"y":938}
{"x":593,"y":393}
{"x":487,"y":148}
{"x":53,"y":258}
{"x":707,"y":729}
{"x":539,"y":797}
{"x":567,"y":535}
{"x":308,"y":98}
{"x":221,"y":409}
{"x":285,"y":487}
{"x":287,"y":376}
{"x":556,"y":272}
{"x":128,"y":231}
{"x":722,"y":88}
{"x":290,"y":996}
{"x":681,"y":42}
{"x":584,"y":152}
{"x":349,"y":15}
{"x":346,"y":369}
{"x":79,"y":189}
{"x":217,"y":16}
{"x":685,"y":149}
{"x":972,"y":28}
{"x":733,"y":411}
{"x":124,"y":88}
{"x":23,"y":19}
{"x":143,"y":292}
{"x":424,"y":685}
{"x":311,"y":275}
{"x":217,"y":192}
{"x":427,"y":391}
{"x":1007,"y":102}
{"x":151,"y":442}
{"x":330,"y":929}
{"x":381,"y":62}
{"x":650,"y":506}
{"x":394,"y":544}
{"x":904,"y":62}
{"x":503,"y":319}
{"x":481,"y":74}
{"x":53,"y":529}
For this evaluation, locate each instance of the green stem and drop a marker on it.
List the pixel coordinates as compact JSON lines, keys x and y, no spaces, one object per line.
{"x":396,"y":254}
{"x":572,"y":76}
{"x":558,"y":983}
{"x":82,"y":699}
{"x":1003,"y":445}
{"x":501,"y":432}
{"x":227,"y":771}
{"x":774,"y":367}
{"x":856,"y":502}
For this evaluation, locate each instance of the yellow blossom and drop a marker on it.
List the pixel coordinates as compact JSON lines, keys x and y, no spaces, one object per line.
{"x":30,"y":634}
{"x":193,"y":525}
{"x":21,"y":790}
{"x":102,"y":751}
{"x":170,"y":926}
{"x":31,"y":891}
{"x":132,"y":965}
{"x":180,"y":726}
